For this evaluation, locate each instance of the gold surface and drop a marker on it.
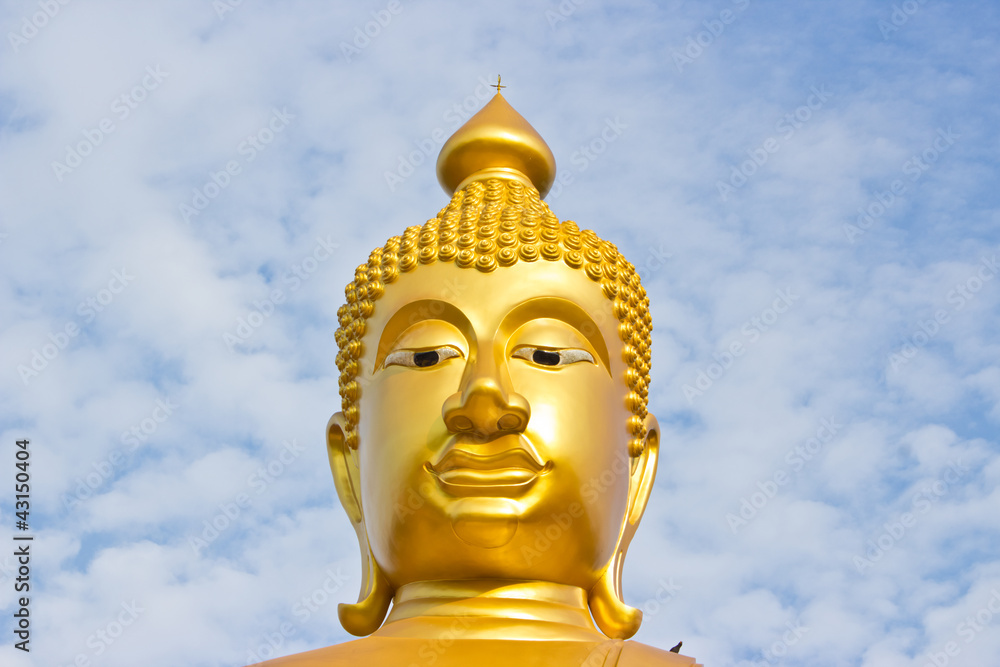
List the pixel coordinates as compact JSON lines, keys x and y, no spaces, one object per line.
{"x":493,"y":452}
{"x":496,"y":142}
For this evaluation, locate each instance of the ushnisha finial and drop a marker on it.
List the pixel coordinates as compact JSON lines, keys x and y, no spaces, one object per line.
{"x":497,"y":142}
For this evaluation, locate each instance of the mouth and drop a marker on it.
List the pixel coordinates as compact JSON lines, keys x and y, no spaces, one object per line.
{"x":465,"y":473}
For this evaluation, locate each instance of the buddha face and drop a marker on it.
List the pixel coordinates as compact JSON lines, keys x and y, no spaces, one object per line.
{"x":492,"y":439}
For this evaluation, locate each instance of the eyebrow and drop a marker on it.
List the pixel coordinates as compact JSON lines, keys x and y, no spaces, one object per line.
{"x":564,"y":310}
{"x":413,"y":313}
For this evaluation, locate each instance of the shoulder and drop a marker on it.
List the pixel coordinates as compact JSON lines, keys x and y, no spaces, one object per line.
{"x":348,"y":653}
{"x":374,"y":651}
{"x":635,"y":653}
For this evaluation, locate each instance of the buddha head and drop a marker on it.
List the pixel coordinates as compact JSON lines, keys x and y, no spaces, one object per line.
{"x":494,"y":372}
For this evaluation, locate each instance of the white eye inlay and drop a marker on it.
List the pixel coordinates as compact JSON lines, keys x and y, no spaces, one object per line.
{"x":421,"y":358}
{"x":553,"y":357}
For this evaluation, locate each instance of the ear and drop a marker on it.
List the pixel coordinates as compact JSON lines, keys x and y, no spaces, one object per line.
{"x":344,"y":466}
{"x":615,"y":618}
{"x":643,"y":474}
{"x":364,"y":617}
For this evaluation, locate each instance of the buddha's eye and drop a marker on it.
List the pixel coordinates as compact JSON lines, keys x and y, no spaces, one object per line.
{"x":420,"y":358}
{"x":553,"y":357}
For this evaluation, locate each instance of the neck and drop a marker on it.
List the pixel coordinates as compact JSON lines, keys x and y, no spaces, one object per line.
{"x":491,"y":609}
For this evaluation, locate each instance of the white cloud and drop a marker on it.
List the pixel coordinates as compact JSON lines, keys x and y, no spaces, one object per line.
{"x":146,"y":481}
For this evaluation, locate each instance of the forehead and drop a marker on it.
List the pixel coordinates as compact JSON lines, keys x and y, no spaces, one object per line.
{"x":485,"y":299}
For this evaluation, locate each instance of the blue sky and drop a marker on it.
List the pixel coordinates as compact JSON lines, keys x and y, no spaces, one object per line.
{"x":187,"y":186}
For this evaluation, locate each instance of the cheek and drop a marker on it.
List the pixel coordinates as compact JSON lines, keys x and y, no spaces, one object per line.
{"x":400,"y":426}
{"x":578,"y":420}
{"x":574,"y":411}
{"x":400,"y":401}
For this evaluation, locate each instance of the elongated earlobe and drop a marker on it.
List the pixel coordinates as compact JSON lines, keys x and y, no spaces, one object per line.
{"x":607,"y":605}
{"x":615,"y":618}
{"x":366,"y":615}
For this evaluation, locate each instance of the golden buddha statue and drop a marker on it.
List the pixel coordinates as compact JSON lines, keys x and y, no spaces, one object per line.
{"x":493,"y":452}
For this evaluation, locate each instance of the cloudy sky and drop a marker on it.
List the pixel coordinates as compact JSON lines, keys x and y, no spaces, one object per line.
{"x":809,"y":191}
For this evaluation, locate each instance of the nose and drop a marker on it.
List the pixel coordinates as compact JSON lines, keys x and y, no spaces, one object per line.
{"x":485,"y":405}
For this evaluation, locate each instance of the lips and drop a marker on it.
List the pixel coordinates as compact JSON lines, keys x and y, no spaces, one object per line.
{"x":508,"y":472}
